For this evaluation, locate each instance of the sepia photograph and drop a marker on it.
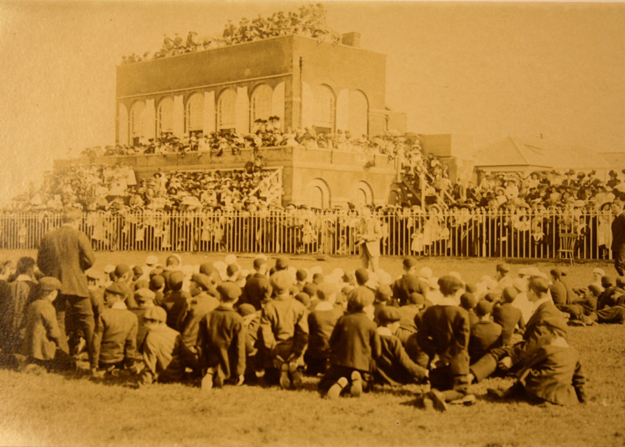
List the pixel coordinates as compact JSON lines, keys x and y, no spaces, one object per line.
{"x":288,"y":223}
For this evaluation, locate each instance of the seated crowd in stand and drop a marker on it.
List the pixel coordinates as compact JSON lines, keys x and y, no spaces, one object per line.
{"x":309,"y":21}
{"x":218,"y":324}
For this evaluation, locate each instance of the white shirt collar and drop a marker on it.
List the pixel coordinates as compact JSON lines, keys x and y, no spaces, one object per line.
{"x":119,"y":305}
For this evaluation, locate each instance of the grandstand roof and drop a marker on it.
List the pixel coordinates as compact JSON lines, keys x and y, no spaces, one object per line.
{"x":512,"y":151}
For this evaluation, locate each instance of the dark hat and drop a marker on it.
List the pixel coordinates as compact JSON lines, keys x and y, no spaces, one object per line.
{"x":325,"y":290}
{"x":389,"y":315}
{"x":503,"y":267}
{"x":156,"y":313}
{"x":93,"y":273}
{"x":156,"y":282}
{"x":303,"y":298}
{"x":281,"y":281}
{"x":557,"y":272}
{"x":121,"y":270}
{"x":201,"y":280}
{"x":144,"y":295}
{"x":175,"y":279}
{"x":232,"y":269}
{"x":384,"y":290}
{"x":301,"y":275}
{"x":491,"y":297}
{"x":116,"y":288}
{"x":509,"y":294}
{"x":409,"y":262}
{"x":246,"y":309}
{"x":48,"y":283}
{"x":362,"y":276}
{"x":137,"y":270}
{"x":258,"y":262}
{"x":207,"y":269}
{"x":416,"y":298}
{"x":310,"y":289}
{"x":229,"y":291}
{"x":360,"y":298}
{"x":472,"y":288}
{"x":483,"y":307}
{"x":467,"y":300}
{"x":282,"y":263}
{"x":142,"y":284}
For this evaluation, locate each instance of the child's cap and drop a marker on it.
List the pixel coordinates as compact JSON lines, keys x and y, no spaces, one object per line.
{"x":282,"y":263}
{"x":201,"y":280}
{"x":389,"y":314}
{"x":303,"y":298}
{"x":49,"y":283}
{"x":116,"y":289}
{"x":472,"y":288}
{"x":156,"y":282}
{"x":325,"y":291}
{"x":230,"y":259}
{"x":384,"y":293}
{"x":142,"y":284}
{"x":207,"y":269}
{"x":359,"y":298}
{"x":156,"y":313}
{"x":310,"y":289}
{"x":408,"y":263}
{"x":416,"y":298}
{"x":229,"y":291}
{"x":362,"y":276}
{"x":151,"y":261}
{"x":425,"y":273}
{"x":246,"y":309}
{"x":175,"y":279}
{"x":509,"y":294}
{"x":259,"y":262}
{"x":232,"y":269}
{"x":467,"y":300}
{"x":93,"y":274}
{"x":121,"y":270}
{"x":137,"y":270}
{"x":491,"y":297}
{"x":301,"y":275}
{"x":143,"y":295}
{"x":281,"y":281}
{"x":483,"y":308}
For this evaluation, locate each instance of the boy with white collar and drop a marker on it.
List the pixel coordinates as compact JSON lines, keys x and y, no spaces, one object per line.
{"x":444,"y":335}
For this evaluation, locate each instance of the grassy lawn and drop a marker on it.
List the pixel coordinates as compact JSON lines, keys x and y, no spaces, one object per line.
{"x":56,"y":410}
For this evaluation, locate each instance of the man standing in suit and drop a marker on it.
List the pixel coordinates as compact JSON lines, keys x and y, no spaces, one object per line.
{"x":618,"y":237}
{"x":369,"y":233}
{"x":65,"y":253}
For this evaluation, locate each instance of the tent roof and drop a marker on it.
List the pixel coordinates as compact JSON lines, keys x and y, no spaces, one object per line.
{"x":513,"y":151}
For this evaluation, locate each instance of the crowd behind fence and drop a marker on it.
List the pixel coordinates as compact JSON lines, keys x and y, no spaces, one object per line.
{"x":475,"y":233}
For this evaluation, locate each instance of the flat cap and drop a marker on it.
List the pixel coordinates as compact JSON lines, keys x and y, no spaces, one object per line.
{"x":201,"y":280}
{"x":116,"y":288}
{"x":156,"y":313}
{"x":48,"y":283}
{"x":144,"y":295}
{"x":281,"y":281}
{"x":229,"y":291}
{"x":389,"y":314}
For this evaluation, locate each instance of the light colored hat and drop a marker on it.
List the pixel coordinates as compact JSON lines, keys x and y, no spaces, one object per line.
{"x":151,"y":260}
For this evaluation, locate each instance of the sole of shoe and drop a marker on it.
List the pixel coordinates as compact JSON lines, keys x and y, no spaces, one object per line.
{"x":438,"y":400}
{"x":207,"y":382}
{"x":335,"y":390}
{"x":285,"y":381}
{"x":356,"y":389}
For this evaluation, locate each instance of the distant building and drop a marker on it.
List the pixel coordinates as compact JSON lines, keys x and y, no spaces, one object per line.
{"x":305,"y":82}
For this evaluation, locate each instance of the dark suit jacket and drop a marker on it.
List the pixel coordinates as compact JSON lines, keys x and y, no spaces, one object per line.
{"x":394,"y":367}
{"x":407,"y":284}
{"x":355,"y":342}
{"x":65,"y":253}
{"x":618,"y":233}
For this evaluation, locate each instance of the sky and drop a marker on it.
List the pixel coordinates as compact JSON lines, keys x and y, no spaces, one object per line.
{"x":487,"y":70}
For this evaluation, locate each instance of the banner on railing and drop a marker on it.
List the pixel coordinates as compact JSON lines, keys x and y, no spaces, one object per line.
{"x":474,"y":233}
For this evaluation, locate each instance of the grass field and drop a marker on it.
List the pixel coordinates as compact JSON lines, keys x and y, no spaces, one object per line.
{"x":56,"y":410}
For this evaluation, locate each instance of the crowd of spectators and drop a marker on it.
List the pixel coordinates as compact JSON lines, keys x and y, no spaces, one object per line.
{"x":219,"y":324}
{"x":309,"y":21}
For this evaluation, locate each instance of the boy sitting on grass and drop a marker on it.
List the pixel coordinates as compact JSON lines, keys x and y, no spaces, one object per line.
{"x":42,"y":335}
{"x":222,"y":341}
{"x":354,"y":344}
{"x":164,"y":353}
{"x":394,"y":367}
{"x":444,"y":335}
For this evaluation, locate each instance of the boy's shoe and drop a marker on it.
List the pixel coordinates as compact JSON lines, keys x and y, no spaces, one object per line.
{"x":467,"y":400}
{"x":285,"y":381}
{"x":218,"y":381}
{"x":356,"y":389}
{"x":438,"y":400}
{"x":428,"y":403}
{"x":335,"y":390}
{"x":296,"y":376}
{"x":207,"y":382}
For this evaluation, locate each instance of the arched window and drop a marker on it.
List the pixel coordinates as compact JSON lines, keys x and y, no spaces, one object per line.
{"x":195,"y":113}
{"x":165,"y":116}
{"x":260,"y":105}
{"x":136,"y":122}
{"x":227,"y":110}
{"x":315,"y":199}
{"x":358,"y":113}
{"x":324,"y":109}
